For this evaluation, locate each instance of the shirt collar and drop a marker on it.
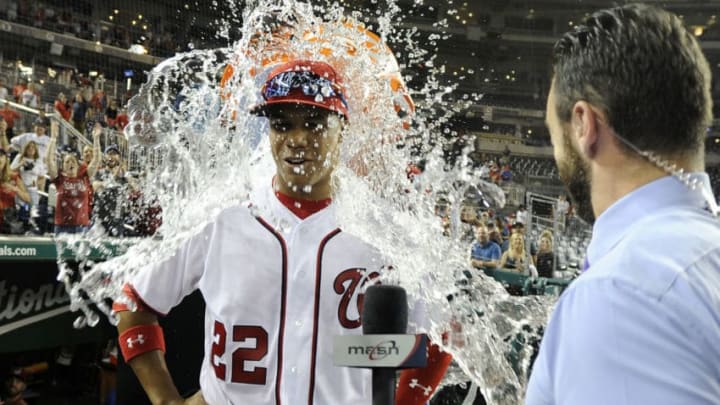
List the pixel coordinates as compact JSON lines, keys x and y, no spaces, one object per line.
{"x":302,"y":208}
{"x":668,"y":191}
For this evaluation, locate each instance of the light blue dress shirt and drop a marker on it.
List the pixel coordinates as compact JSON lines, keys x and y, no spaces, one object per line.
{"x":642,"y":325}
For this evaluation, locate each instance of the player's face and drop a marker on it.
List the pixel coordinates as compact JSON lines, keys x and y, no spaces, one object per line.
{"x":574,"y":171}
{"x":305,"y":144}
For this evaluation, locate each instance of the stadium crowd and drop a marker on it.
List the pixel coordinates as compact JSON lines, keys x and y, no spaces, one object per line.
{"x":506,"y":240}
{"x":85,"y":104}
{"x":92,"y":188}
{"x":76,"y":19}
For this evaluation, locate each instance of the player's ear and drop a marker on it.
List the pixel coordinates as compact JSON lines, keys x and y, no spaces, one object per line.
{"x":338,"y":120}
{"x":343,"y":127}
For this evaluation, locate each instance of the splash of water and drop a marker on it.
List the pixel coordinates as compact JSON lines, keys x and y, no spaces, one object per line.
{"x":205,"y":153}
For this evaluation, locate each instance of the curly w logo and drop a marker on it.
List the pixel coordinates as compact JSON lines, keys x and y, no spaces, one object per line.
{"x":349,"y":283}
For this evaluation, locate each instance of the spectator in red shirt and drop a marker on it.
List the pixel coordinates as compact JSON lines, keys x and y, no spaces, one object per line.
{"x":122,"y":120}
{"x":62,"y":107}
{"x":10,"y":185}
{"x":31,"y":96}
{"x":72,"y":209}
{"x":99,"y":101}
{"x":10,"y":115}
{"x":18,"y":90}
{"x":494,"y":173}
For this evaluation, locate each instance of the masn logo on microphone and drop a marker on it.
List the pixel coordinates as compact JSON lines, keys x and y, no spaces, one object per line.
{"x":377,"y":352}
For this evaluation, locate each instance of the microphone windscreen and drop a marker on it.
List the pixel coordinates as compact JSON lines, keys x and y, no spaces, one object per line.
{"x":385,"y":310}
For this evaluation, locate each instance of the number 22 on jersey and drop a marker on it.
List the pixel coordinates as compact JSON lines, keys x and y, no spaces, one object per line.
{"x":247,"y":334}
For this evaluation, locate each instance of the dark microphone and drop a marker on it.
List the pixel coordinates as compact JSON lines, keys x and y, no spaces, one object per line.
{"x":385,"y":312}
{"x":384,"y":345}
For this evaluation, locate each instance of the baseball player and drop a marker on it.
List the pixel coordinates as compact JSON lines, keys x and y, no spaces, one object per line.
{"x":275,"y":295}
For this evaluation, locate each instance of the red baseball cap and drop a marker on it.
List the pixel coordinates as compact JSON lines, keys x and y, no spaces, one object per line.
{"x":304,"y":82}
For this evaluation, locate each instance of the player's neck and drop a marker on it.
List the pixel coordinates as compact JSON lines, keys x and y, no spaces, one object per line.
{"x":302,"y":208}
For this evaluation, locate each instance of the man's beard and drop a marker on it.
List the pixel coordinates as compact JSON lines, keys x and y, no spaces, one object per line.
{"x":575,"y":175}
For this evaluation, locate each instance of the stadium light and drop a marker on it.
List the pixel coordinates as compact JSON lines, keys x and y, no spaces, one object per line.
{"x":138,"y":49}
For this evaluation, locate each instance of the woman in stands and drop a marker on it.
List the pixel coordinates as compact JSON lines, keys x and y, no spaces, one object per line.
{"x":30,"y":167}
{"x":11,"y":185}
{"x":545,"y":258}
{"x":87,"y":154}
{"x":515,"y":258}
{"x":74,"y":189}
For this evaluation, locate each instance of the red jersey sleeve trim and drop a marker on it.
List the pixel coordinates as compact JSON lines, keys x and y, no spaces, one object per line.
{"x":130,"y":292}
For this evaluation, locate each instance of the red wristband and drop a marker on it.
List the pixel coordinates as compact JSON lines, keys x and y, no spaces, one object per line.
{"x":141,"y":339}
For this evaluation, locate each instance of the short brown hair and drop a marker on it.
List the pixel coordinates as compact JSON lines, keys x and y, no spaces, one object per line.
{"x":645,"y":70}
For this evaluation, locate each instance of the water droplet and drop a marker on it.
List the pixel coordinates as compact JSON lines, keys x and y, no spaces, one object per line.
{"x":93,"y":319}
{"x":79,"y":322}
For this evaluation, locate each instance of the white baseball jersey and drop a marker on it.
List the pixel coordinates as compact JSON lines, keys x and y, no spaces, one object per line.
{"x":277,"y":290}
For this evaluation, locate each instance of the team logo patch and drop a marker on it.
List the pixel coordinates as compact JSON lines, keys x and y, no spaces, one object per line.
{"x":415,"y":384}
{"x":349,"y":283}
{"x":139,"y":340}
